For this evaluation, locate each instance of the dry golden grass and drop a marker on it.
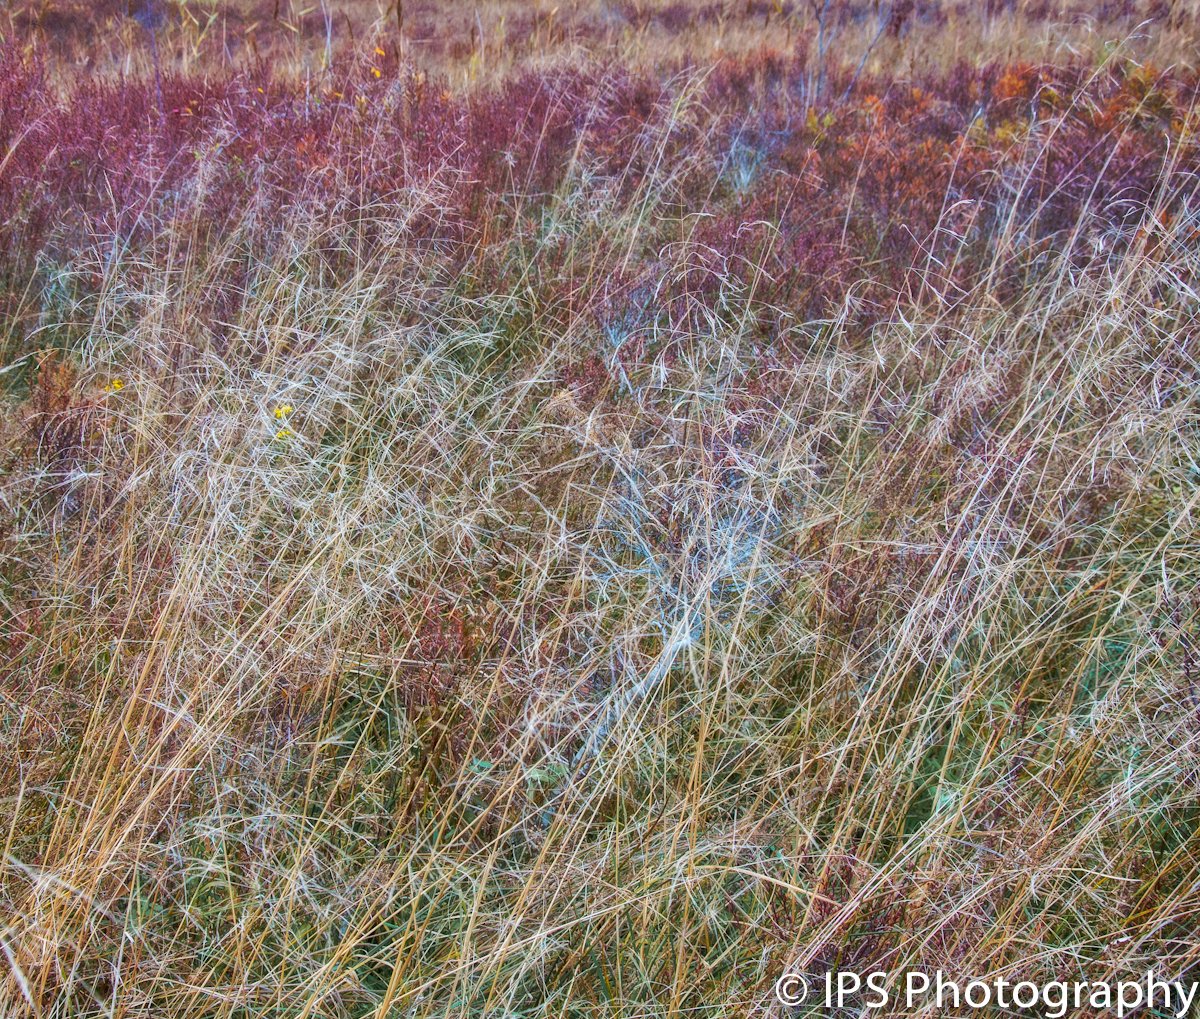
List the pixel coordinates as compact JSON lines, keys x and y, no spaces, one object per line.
{"x":483,"y":43}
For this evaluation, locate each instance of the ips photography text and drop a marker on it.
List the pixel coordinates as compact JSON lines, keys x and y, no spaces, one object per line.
{"x":1052,"y":999}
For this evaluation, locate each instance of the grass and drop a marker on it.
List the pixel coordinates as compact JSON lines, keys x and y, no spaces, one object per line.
{"x":487,"y":43}
{"x":543,"y":585}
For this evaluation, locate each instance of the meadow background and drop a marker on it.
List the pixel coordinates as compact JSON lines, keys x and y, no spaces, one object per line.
{"x":512,"y":509}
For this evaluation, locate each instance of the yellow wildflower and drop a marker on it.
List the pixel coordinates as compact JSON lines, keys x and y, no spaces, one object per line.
{"x":282,"y":411}
{"x":115,"y":386}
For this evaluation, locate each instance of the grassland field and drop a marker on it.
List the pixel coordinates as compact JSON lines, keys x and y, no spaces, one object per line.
{"x":514,"y":509}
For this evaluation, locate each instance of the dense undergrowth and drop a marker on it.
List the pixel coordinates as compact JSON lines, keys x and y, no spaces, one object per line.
{"x":883,"y":190}
{"x":582,"y":546}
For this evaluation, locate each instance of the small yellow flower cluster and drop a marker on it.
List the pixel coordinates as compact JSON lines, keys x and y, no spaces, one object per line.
{"x":115,"y":386}
{"x":281,"y":414}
